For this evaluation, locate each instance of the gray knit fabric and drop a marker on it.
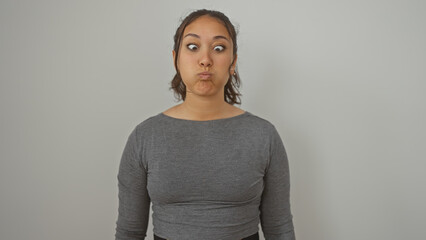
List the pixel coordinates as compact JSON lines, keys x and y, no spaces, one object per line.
{"x":207,"y":180}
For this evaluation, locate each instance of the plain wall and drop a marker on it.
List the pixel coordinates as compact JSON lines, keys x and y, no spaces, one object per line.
{"x":343,"y":82}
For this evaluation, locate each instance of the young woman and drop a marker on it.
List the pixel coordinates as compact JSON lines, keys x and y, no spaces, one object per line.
{"x":211,"y":170}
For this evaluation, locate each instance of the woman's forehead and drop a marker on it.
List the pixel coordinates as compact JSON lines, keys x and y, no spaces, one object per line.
{"x":206,"y":26}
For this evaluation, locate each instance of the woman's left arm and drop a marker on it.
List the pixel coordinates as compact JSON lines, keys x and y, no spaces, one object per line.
{"x":276,"y":218}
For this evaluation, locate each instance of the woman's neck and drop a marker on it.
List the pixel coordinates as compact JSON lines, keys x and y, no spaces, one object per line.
{"x":203,"y":108}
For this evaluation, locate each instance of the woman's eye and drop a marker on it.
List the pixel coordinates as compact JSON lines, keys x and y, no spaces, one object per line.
{"x":219,"y":48}
{"x":192,"y":46}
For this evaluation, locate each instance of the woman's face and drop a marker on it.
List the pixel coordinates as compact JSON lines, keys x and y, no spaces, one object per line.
{"x":205,"y":57}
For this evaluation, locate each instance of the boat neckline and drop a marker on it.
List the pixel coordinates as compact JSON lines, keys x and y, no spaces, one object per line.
{"x":204,"y":121}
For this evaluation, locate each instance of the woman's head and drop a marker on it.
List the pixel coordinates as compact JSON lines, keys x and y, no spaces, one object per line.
{"x":193,"y":42}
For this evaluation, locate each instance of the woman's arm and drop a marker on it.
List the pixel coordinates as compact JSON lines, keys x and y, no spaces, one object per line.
{"x":276,"y":218}
{"x":134,"y":201}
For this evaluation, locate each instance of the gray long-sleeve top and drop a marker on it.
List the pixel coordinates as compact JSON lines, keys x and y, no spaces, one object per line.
{"x":209,"y":180}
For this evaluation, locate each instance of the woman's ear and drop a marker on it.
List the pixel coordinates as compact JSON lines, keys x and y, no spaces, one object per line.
{"x":174,"y":59}
{"x":234,"y":63}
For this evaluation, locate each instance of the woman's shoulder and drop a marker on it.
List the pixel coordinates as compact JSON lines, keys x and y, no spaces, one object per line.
{"x":261,"y":122}
{"x":149,"y":122}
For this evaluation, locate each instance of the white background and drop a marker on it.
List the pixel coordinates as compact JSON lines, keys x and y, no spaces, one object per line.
{"x":343,"y":82}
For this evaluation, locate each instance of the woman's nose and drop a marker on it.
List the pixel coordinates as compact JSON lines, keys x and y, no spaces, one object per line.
{"x":205,"y":59}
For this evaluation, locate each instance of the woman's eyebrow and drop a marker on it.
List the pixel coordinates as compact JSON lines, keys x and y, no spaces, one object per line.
{"x":215,"y":37}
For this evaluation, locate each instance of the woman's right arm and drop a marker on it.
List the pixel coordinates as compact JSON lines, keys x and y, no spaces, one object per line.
{"x":134,"y":201}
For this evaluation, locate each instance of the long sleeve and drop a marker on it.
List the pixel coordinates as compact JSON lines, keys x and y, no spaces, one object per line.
{"x":276,"y":218}
{"x":134,"y":201}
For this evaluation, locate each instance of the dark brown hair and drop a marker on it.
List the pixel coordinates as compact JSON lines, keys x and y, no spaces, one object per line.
{"x":232,"y":95}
